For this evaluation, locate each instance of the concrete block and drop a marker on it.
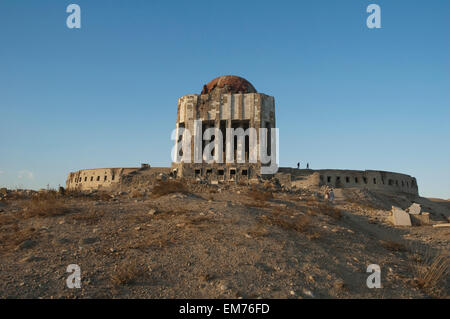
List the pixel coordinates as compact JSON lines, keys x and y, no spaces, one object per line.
{"x":422,"y":219}
{"x":400,"y":217}
{"x":442,"y":225}
{"x":414,"y":209}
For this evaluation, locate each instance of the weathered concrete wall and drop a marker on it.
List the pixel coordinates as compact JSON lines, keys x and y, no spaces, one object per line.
{"x":369,"y":179}
{"x":98,"y":178}
{"x":218,"y":172}
{"x":222,"y":111}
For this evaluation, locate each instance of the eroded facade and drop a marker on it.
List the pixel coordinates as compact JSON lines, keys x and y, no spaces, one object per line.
{"x":226,"y":104}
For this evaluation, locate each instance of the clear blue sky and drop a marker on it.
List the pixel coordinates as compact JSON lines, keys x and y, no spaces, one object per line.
{"x":105,"y":95}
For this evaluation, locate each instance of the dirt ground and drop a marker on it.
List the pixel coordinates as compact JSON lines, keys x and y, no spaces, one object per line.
{"x":219,"y":242}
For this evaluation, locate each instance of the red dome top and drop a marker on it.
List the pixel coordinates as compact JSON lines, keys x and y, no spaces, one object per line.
{"x":229,"y":84}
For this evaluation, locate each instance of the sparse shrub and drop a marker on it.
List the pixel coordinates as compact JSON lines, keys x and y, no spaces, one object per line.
{"x":103,"y":196}
{"x":206,"y":277}
{"x":314,"y":235}
{"x":168,"y":187}
{"x":393,"y":245}
{"x":327,"y":209}
{"x":430,"y":269}
{"x":7,"y":220}
{"x":90,"y":217}
{"x":259,"y":195}
{"x":12,"y":238}
{"x":17,"y":195}
{"x":46,"y":195}
{"x":300,"y":224}
{"x":153,"y":242}
{"x":258,"y":231}
{"x":74,"y":193}
{"x":137,"y":194}
{"x":45,"y":207}
{"x":197,"y":220}
{"x":126,"y":273}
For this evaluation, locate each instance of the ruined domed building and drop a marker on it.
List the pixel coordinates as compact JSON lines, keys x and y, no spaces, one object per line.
{"x":227,"y":134}
{"x":226,"y":104}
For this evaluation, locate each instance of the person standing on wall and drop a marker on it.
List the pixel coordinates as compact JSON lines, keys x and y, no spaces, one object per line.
{"x":331,"y":195}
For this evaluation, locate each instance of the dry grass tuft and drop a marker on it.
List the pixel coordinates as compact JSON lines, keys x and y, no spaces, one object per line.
{"x":126,"y":273}
{"x":393,"y":245}
{"x":314,"y":235}
{"x":97,"y":196}
{"x":90,"y":217}
{"x":45,"y":207}
{"x":11,"y":239}
{"x":259,"y":195}
{"x":154,"y":241}
{"x":258,"y":231}
{"x":6,"y":220}
{"x":169,"y":187}
{"x":326,"y":209}
{"x":430,"y":269}
{"x":299,"y":224}
{"x":206,"y":277}
{"x":197,"y":220}
{"x":170,"y":214}
{"x":15,"y":195}
{"x":137,"y":194}
{"x":46,"y":195}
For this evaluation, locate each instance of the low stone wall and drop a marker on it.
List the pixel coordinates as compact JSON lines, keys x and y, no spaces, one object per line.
{"x":97,"y":178}
{"x":108,"y":178}
{"x":376,"y":180}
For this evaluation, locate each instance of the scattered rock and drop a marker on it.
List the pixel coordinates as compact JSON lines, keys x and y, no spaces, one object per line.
{"x":63,"y":240}
{"x":338,"y":284}
{"x":308,"y":293}
{"x":223,"y":286}
{"x":27,"y":244}
{"x":399,"y":217}
{"x":89,"y":240}
{"x":422,"y":219}
{"x":442,"y":225}
{"x":414,"y":209}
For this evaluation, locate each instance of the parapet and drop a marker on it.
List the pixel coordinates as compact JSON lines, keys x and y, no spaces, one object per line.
{"x":388,"y":182}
